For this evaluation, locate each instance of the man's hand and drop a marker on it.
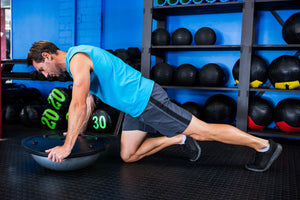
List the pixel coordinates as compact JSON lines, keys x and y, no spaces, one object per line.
{"x":58,"y":154}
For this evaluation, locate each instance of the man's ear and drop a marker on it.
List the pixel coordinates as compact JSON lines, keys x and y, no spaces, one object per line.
{"x":46,"y":56}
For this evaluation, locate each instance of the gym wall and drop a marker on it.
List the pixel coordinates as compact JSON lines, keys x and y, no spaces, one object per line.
{"x":118,"y":24}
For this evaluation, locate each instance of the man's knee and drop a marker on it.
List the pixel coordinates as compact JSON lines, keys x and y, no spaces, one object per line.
{"x":127,"y":156}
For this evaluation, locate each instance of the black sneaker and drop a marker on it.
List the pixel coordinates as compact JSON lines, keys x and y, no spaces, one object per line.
{"x":193,"y":149}
{"x":264,"y":160}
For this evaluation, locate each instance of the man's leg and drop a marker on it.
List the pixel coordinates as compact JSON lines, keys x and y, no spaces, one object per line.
{"x":134,"y":146}
{"x":266,"y":151}
{"x":202,"y":131}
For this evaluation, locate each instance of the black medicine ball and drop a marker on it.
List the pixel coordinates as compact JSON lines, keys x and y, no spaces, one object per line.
{"x":162,"y":73}
{"x":260,"y":113}
{"x":185,"y":75}
{"x":220,"y":108}
{"x":182,"y":36}
{"x":287,"y":115}
{"x":211,"y":75}
{"x":59,"y":98}
{"x":193,"y":108}
{"x":160,"y":37}
{"x":258,"y":71}
{"x":291,"y":29}
{"x":284,"y":72}
{"x":103,"y":120}
{"x":31,"y":115}
{"x":53,"y":119}
{"x":205,"y":36}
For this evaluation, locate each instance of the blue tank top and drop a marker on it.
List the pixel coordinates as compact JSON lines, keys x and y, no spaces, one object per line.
{"x":114,"y":82}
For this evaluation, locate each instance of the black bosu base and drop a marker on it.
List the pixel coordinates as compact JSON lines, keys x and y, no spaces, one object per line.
{"x":85,"y":152}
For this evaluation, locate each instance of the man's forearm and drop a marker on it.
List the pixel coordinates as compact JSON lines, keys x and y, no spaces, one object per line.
{"x":76,"y":124}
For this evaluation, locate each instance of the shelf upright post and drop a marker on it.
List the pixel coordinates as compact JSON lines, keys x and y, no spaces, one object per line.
{"x":146,"y":43}
{"x":0,"y":86}
{"x":245,"y":63}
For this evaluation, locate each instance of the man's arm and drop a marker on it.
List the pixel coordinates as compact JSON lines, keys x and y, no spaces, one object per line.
{"x":80,"y":67}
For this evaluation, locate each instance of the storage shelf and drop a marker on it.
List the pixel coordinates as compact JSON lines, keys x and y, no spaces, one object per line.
{"x":203,"y":8}
{"x":273,"y":90}
{"x":269,"y":5}
{"x":197,"y":48}
{"x":15,"y":76}
{"x":274,"y":133}
{"x":201,"y":88}
{"x":277,"y":47}
{"x":14,"y":61}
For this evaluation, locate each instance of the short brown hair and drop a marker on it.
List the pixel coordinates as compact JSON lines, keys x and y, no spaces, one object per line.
{"x":35,"y":52}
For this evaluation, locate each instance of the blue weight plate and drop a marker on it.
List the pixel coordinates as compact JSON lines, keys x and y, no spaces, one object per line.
{"x":85,"y":144}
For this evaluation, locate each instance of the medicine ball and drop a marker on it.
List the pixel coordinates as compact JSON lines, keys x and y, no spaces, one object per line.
{"x":182,"y":36}
{"x":185,"y":75}
{"x":260,"y":113}
{"x":193,"y":108}
{"x":291,"y":29}
{"x":160,"y":37}
{"x":284,"y":72}
{"x":287,"y":115}
{"x":53,"y":119}
{"x":162,"y":73}
{"x":258,"y":71}
{"x":103,"y":120}
{"x":31,"y":115}
{"x":59,"y":98}
{"x":220,"y":108}
{"x":205,"y":36}
{"x":122,"y":54}
{"x":12,"y":112}
{"x":211,"y":75}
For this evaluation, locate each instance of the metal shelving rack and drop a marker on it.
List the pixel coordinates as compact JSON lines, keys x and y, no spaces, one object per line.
{"x":246,"y":48}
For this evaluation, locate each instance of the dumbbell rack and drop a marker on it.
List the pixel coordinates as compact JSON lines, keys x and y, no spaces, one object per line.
{"x":7,"y":74}
{"x":246,"y":48}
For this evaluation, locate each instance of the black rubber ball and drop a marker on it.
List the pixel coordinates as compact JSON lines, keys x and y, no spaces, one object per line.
{"x":193,"y":108}
{"x":103,"y":120}
{"x":258,"y":71}
{"x":287,"y":115}
{"x":53,"y":119}
{"x":211,"y":75}
{"x":260,"y":113}
{"x":162,"y":73}
{"x":182,"y":36}
{"x":284,"y":72}
{"x":160,"y":37}
{"x":220,"y":108}
{"x":185,"y":75}
{"x":291,"y":29}
{"x":31,"y":115}
{"x":59,"y":98}
{"x":205,"y":36}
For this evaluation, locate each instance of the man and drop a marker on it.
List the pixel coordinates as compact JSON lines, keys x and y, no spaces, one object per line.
{"x":147,"y":105}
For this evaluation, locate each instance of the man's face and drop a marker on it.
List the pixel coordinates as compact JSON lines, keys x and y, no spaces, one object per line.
{"x":48,"y":68}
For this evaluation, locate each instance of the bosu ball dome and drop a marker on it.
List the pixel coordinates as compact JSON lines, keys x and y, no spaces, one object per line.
{"x":85,"y":152}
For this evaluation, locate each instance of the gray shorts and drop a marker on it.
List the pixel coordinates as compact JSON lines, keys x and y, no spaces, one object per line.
{"x":160,"y":115}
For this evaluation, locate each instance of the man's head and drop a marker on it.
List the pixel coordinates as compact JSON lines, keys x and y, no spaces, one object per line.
{"x":42,"y":55}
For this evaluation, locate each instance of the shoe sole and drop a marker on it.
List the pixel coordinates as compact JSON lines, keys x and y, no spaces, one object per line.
{"x":273,"y":158}
{"x":199,"y":151}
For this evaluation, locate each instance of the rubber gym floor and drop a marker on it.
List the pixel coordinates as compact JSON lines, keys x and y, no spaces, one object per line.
{"x":218,"y":174}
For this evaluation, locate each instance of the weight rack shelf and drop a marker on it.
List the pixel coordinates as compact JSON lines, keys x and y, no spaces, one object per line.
{"x":201,"y":88}
{"x":196,"y":48}
{"x":274,"y":133}
{"x":269,"y":5}
{"x":203,"y":8}
{"x":273,"y":90}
